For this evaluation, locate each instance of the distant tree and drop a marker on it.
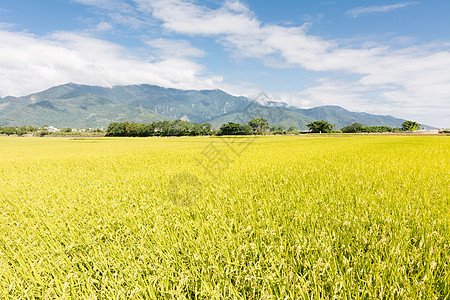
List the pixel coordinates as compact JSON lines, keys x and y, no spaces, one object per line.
{"x":206,"y":129}
{"x":201,"y":129}
{"x":292,"y":129}
{"x":32,"y":129}
{"x":259,"y":125}
{"x":9,"y":130}
{"x":43,"y":132}
{"x":410,"y":126}
{"x":235,"y":129}
{"x":115,"y":129}
{"x":163,"y":128}
{"x":134,"y":129}
{"x":320,"y":126}
{"x":377,"y":129}
{"x":354,"y":128}
{"x":278,"y":129}
{"x":21,"y":130}
{"x":148,"y":129}
{"x":179,"y":128}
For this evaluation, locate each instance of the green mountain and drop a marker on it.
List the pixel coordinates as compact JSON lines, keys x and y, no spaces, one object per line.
{"x":73,"y":105}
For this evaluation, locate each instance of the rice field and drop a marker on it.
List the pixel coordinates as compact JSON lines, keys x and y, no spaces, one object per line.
{"x":292,"y":217}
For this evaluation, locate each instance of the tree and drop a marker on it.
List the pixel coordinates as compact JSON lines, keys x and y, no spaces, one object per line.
{"x":234,"y":129}
{"x":115,"y":129}
{"x":320,"y":126}
{"x":201,"y":129}
{"x":31,"y":129}
{"x":21,"y":130}
{"x":278,"y":129}
{"x":259,"y":125}
{"x":9,"y":130}
{"x":377,"y":129}
{"x":354,"y":128}
{"x":410,"y":126}
{"x":206,"y":128}
{"x":43,"y":132}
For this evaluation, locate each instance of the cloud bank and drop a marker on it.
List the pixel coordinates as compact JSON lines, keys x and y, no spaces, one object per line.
{"x":29,"y":64}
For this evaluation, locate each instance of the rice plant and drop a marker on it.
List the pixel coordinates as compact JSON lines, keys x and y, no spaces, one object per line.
{"x":294,"y":217}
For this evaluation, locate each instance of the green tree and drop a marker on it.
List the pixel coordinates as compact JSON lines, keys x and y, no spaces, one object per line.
{"x":21,"y":130}
{"x":115,"y":129}
{"x":259,"y":125}
{"x":31,"y":129}
{"x":43,"y":131}
{"x":320,"y":127}
{"x":377,"y":129}
{"x":200,"y":129}
{"x":9,"y":130}
{"x":278,"y":129}
{"x":410,"y":126}
{"x":235,"y":129}
{"x":206,"y":128}
{"x":354,"y":128}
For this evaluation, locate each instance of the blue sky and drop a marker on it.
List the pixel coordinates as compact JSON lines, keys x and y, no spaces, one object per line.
{"x":382,"y":57}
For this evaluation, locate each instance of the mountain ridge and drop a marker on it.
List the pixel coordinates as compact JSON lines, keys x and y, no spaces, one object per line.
{"x":77,"y":105}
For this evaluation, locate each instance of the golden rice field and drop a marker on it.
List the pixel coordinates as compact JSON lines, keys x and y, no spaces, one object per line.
{"x":295,"y":217}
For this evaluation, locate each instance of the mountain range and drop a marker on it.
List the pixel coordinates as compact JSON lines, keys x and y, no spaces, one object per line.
{"x":83,"y":106}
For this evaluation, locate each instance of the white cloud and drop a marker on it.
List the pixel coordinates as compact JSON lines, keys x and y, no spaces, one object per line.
{"x":355,"y":12}
{"x":119,"y":12}
{"x":103,"y":26}
{"x":236,"y":6}
{"x":407,"y":82}
{"x":168,"y":48}
{"x":188,"y":18}
{"x":29,"y":63}
{"x":6,"y":25}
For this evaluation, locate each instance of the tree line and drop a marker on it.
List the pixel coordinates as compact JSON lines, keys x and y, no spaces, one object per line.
{"x":325,"y":127}
{"x":22,"y":130}
{"x":358,"y":128}
{"x":162,"y":128}
{"x":257,"y":126}
{"x":45,"y":130}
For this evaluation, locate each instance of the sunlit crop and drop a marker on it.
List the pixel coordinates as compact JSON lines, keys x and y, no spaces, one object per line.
{"x":285,"y":218}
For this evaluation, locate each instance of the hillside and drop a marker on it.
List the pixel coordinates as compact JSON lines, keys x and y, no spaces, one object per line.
{"x":74,"y":105}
